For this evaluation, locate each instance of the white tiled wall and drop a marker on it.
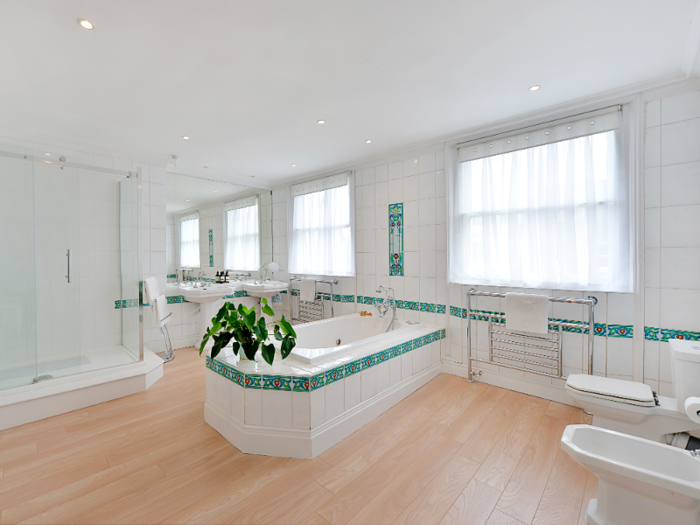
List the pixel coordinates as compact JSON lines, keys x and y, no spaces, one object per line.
{"x":672,"y":226}
{"x":418,"y":180}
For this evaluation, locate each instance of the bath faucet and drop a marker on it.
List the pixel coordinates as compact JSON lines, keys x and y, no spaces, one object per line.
{"x":388,"y":303}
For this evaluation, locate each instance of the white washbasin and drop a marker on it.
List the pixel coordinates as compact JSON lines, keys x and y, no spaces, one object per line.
{"x":268,"y":289}
{"x":208,"y":293}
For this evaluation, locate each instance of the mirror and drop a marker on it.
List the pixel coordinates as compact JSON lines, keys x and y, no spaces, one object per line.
{"x":216,"y":227}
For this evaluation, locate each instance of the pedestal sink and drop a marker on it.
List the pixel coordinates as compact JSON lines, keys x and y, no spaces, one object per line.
{"x":206,"y":296}
{"x":264,"y":289}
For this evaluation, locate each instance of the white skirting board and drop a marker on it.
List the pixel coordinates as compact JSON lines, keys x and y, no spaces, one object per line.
{"x":518,"y":384}
{"x":50,"y":398}
{"x":307,"y":444}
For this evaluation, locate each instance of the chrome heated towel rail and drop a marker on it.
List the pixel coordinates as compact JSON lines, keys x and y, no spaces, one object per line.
{"x":532,"y":353}
{"x":310,"y":310}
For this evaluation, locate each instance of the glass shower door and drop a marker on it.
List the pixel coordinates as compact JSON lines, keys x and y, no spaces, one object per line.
{"x":58,"y":276}
{"x":18,"y":305}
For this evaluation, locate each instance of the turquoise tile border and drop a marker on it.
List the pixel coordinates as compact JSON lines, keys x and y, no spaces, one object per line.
{"x":334,"y":375}
{"x":369,"y":361}
{"x":353,"y":368}
{"x":328,"y":377}
{"x":317,"y":381}
{"x":253,"y":381}
{"x":172,"y":299}
{"x":601,"y":329}
{"x":300,"y":384}
{"x":666,"y":335}
{"x":620,"y":330}
{"x":277,"y":383}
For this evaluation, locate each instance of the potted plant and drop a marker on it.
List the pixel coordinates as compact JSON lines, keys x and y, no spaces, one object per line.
{"x":248,"y":333}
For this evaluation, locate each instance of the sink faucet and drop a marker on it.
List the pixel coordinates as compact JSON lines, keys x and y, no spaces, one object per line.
{"x":388,"y":303}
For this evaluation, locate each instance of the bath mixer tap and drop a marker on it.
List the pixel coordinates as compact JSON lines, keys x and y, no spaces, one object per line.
{"x":387,"y":304}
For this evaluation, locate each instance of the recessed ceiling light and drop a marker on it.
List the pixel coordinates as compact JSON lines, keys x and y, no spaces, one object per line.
{"x":321,"y":121}
{"x":48,"y":153}
{"x":216,"y":191}
{"x":294,"y":165}
{"x":534,"y":88}
{"x":368,"y":141}
{"x":185,"y":137}
{"x":85,"y":24}
{"x":188,"y":200}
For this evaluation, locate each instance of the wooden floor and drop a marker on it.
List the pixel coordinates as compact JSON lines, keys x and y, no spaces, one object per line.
{"x":452,"y":452}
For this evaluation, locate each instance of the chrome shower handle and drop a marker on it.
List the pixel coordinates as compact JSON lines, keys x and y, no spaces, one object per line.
{"x":68,"y":253}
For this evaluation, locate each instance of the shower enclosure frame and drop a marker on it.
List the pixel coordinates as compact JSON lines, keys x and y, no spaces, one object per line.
{"x":135,"y":174}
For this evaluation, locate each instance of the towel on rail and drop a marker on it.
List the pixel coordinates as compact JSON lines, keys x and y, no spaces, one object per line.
{"x":307,"y":290}
{"x":527,"y":313}
{"x":151,"y":286}
{"x":161,"y":310}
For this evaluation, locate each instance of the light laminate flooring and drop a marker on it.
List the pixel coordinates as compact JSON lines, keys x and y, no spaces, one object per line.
{"x":451,"y":453}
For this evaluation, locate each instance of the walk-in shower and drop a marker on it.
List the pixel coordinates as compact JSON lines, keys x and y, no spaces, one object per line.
{"x":70,"y":261}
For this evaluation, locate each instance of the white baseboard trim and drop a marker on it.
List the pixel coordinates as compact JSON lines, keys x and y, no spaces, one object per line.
{"x":26,"y":404}
{"x":518,"y":384}
{"x":307,"y":444}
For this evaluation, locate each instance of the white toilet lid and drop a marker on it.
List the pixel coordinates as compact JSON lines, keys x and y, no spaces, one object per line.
{"x":629,"y":392}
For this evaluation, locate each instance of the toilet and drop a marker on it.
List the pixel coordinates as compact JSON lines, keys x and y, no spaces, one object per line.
{"x":641,"y":482}
{"x":632,"y":408}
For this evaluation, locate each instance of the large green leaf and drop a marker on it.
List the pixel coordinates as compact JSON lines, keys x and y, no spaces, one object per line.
{"x":249,"y":319}
{"x":220,"y":341}
{"x":268,"y":353}
{"x":266,"y":309}
{"x":287,"y":328}
{"x":236,"y":346}
{"x":288,"y":344}
{"x":250,"y":348}
{"x":205,"y":339}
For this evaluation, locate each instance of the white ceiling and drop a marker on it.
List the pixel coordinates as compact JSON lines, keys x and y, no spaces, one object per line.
{"x":247,"y":81}
{"x":184,"y":193}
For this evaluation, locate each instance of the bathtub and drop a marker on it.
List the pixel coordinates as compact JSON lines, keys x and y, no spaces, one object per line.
{"x":330,"y":338}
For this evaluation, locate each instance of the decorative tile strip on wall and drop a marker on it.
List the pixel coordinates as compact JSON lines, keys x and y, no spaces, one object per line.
{"x":172,"y":276}
{"x":663,"y":334}
{"x":325,"y":378}
{"x":601,"y":329}
{"x":125,"y":303}
{"x":211,"y":248}
{"x":172,"y":299}
{"x":396,"y":239}
{"x":337,"y":298}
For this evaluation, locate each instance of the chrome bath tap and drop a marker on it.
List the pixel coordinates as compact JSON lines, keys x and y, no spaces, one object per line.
{"x":387,"y":304}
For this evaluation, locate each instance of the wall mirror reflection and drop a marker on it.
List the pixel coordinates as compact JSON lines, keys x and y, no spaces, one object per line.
{"x":218,"y":248}
{"x":216,"y":228}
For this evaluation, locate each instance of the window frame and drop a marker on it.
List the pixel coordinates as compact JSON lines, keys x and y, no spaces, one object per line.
{"x":236,"y":205}
{"x":185,"y":217}
{"x":626,"y":157}
{"x":317,"y":185}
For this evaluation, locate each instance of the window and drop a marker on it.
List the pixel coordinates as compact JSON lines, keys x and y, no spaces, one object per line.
{"x":242,"y":223}
{"x":189,"y":240}
{"x":544,"y":209}
{"x":321,"y":231}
